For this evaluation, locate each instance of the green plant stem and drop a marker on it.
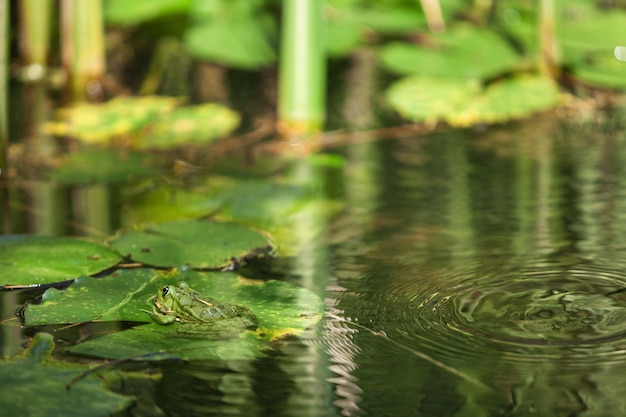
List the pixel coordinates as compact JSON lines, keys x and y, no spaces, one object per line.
{"x":549,"y":64}
{"x":302,"y":79}
{"x":4,"y":65}
{"x":83,"y":46}
{"x":34,"y":36}
{"x":4,"y":129}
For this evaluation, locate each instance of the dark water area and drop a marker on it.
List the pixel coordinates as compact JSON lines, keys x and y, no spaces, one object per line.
{"x":470,"y":273}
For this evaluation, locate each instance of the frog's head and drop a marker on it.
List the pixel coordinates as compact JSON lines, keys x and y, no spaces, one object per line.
{"x":168,"y":297}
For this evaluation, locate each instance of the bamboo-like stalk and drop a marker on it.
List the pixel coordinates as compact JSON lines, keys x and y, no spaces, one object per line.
{"x":83,"y":46}
{"x":549,"y":60}
{"x":434,"y":17}
{"x":302,"y":78}
{"x":34,"y":41}
{"x":4,"y":129}
{"x":4,"y":66}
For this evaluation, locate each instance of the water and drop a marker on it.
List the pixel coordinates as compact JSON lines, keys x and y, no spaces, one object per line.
{"x":490,"y":281}
{"x":470,"y":274}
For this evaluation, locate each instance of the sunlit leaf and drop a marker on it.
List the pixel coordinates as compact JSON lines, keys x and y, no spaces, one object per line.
{"x":98,"y":123}
{"x":430,"y":99}
{"x":107,"y":166}
{"x":510,"y":99}
{"x":461,"y":103}
{"x":32,"y":260}
{"x":194,"y":243}
{"x":125,"y":12}
{"x":191,"y":125}
{"x":280,"y":307}
{"x":36,"y":385}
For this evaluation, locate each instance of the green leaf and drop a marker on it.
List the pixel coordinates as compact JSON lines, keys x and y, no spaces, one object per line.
{"x":464,"y":51}
{"x":280,"y":307}
{"x":124,"y":12}
{"x":107,"y":166}
{"x":243,"y":41}
{"x":191,"y":125}
{"x":430,"y":99}
{"x":194,"y":243}
{"x":33,"y":260}
{"x":461,"y":103}
{"x":510,"y":99}
{"x":601,"y":68}
{"x":36,"y":385}
{"x":98,"y":123}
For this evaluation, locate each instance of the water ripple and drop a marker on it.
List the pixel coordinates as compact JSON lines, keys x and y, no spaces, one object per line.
{"x":547,"y":310}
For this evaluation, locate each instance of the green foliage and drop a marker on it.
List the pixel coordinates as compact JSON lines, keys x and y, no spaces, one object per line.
{"x":463,"y":103}
{"x":243,"y":37}
{"x":146,"y":122}
{"x":280,"y":307}
{"x":263,"y":203}
{"x":190,"y":125}
{"x":106,"y":166}
{"x":123,"y":12}
{"x":463,"y":51}
{"x":193,"y":243}
{"x":121,"y":116}
{"x":34,"y":260}
{"x":35,"y":385}
{"x":588,"y":36}
{"x":237,"y":33}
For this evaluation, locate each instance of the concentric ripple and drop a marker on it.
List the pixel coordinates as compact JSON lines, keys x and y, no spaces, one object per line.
{"x":547,"y":310}
{"x":577,"y":307}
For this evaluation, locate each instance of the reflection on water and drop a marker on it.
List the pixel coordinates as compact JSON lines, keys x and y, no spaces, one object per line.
{"x":499,"y":257}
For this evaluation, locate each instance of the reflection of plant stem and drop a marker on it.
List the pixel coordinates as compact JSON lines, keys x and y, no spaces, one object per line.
{"x":415,"y":352}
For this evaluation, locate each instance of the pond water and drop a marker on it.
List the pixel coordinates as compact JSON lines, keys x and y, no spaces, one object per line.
{"x":487,"y":278}
{"x":470,"y":273}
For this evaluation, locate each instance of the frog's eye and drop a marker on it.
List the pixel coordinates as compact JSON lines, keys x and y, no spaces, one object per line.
{"x":165,"y":291}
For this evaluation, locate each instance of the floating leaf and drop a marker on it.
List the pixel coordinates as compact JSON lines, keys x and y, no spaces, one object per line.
{"x":194,"y":243}
{"x":462,"y":103}
{"x":430,"y":99}
{"x":464,"y":51}
{"x":280,"y":307}
{"x":36,"y":385}
{"x":107,"y":166}
{"x":191,"y":125}
{"x":98,"y":123}
{"x":34,"y":260}
{"x":510,"y":99}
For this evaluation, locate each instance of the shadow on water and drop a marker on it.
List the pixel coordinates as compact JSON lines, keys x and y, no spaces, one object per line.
{"x":489,"y":260}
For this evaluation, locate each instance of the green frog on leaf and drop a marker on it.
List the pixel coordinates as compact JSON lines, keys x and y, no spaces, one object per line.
{"x":198,"y":315}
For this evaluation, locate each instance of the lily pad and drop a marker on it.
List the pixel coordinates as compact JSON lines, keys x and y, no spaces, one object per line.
{"x":36,"y":385}
{"x":193,"y":243}
{"x":107,"y":166}
{"x":98,"y":123}
{"x":428,"y":99}
{"x":35,"y":260}
{"x":281,"y":308}
{"x":190,"y":125}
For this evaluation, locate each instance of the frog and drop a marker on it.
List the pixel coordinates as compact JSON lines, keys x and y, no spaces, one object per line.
{"x":199,"y":315}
